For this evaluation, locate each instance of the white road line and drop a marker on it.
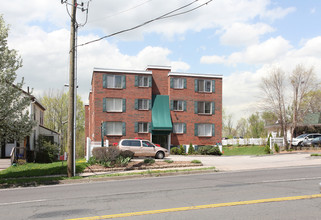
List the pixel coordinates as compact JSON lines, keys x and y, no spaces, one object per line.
{"x":23,"y":202}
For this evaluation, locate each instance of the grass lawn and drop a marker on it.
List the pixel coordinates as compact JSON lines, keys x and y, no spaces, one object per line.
{"x":37,"y":169}
{"x":243,"y":150}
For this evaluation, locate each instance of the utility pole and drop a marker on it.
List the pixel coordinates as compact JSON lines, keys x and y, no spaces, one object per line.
{"x":71,"y":133}
{"x":71,"y":108}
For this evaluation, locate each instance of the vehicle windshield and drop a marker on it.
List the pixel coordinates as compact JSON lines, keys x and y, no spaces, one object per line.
{"x":302,"y":136}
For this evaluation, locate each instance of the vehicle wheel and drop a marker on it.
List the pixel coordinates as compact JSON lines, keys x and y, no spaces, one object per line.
{"x":160,"y":155}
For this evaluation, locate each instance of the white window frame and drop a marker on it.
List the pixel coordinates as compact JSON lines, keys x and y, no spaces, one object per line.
{"x":111,"y":127}
{"x":204,"y":130}
{"x":112,"y":80}
{"x":178,"y":83}
{"x":203,"y":105}
{"x":143,"y":127}
{"x":178,"y":128}
{"x":143,"y":81}
{"x":111,"y":105}
{"x":179,"y":105}
{"x":203,"y":84}
{"x":143,"y":104}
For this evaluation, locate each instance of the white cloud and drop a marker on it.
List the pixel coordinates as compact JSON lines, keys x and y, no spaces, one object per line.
{"x":212,"y":59}
{"x":265,"y":52}
{"x":241,"y":34}
{"x":277,"y":13}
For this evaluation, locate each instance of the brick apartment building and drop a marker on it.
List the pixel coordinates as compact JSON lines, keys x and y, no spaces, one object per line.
{"x":156,"y":104}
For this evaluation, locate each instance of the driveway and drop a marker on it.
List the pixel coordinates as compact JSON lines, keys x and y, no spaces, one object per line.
{"x":238,"y":163}
{"x":4,"y":164}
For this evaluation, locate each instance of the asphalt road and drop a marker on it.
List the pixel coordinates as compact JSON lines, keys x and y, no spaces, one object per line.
{"x":170,"y":194}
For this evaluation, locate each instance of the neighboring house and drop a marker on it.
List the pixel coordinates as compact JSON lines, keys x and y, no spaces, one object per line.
{"x":156,"y":104}
{"x":36,"y":112}
{"x":311,"y":124}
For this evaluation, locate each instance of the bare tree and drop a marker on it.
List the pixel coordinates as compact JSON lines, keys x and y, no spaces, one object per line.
{"x":303,"y":82}
{"x":273,"y":88}
{"x":242,"y":127}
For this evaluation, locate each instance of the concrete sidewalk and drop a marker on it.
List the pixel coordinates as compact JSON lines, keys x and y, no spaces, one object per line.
{"x":4,"y":164}
{"x":238,"y":163}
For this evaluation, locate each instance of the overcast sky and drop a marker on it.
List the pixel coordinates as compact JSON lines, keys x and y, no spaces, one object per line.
{"x":239,"y":39}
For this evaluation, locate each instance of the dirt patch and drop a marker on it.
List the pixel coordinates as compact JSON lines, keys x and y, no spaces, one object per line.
{"x":140,"y":165}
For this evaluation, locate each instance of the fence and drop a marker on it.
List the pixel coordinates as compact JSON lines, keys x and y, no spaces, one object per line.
{"x":245,"y":141}
{"x":254,"y":141}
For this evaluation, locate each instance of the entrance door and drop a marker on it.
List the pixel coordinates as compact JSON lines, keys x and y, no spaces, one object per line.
{"x":162,"y":140}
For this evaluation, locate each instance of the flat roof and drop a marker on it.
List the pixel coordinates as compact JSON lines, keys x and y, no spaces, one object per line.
{"x":96,"y":69}
{"x":195,"y":75}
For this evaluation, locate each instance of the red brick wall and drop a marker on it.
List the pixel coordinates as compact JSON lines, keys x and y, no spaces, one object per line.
{"x":160,"y":81}
{"x":190,"y":118}
{"x":130,"y":93}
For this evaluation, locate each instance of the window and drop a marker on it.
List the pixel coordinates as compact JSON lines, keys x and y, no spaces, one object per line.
{"x":41,"y":117}
{"x":142,"y":104}
{"x":178,"y":83}
{"x":204,"y":130}
{"x":143,"y":127}
{"x":114,"y":81}
{"x":131,"y":143}
{"x":143,"y":81}
{"x":114,"y":105}
{"x":204,"y":85}
{"x":204,"y":107}
{"x":147,"y":144}
{"x":114,"y":128}
{"x":178,"y":105}
{"x":179,"y":128}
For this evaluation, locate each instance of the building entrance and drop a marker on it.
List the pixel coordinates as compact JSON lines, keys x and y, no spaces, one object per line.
{"x":162,"y":140}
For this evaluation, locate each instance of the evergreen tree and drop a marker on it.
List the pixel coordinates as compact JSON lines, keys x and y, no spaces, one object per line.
{"x":15,"y":122}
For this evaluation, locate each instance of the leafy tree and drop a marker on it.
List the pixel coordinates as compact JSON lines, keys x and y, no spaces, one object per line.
{"x":269,"y":118}
{"x":56,"y":118}
{"x":256,"y":126}
{"x":15,"y":122}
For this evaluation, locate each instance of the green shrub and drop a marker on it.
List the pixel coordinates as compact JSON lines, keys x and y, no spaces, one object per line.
{"x":92,"y":161}
{"x":122,"y":161}
{"x":149,"y":160}
{"x":196,"y":161}
{"x":47,"y":152}
{"x":276,"y":148}
{"x":174,"y":151}
{"x":267,"y":149}
{"x":127,"y":153}
{"x":209,"y":150}
{"x":191,"y":149}
{"x":169,"y":161}
{"x":181,"y":150}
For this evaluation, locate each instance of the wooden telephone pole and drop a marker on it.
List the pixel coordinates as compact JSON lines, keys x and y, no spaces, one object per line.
{"x":71,"y":108}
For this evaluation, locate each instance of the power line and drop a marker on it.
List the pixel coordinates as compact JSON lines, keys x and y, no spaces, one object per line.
{"x":121,"y":12}
{"x":166,"y":15}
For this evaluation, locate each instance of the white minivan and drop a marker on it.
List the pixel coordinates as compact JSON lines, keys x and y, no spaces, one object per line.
{"x":143,"y":148}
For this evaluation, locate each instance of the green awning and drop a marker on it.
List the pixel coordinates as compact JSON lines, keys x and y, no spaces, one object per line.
{"x":161,"y":116}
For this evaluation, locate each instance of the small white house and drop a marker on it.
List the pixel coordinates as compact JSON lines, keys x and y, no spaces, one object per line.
{"x":36,"y":112}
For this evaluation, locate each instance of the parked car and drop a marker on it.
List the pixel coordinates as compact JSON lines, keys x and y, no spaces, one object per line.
{"x":143,"y":148}
{"x":304,"y":139}
{"x":316,"y":142}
